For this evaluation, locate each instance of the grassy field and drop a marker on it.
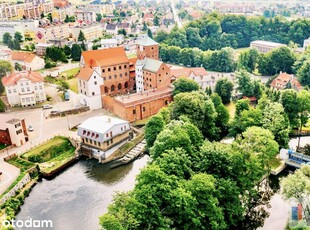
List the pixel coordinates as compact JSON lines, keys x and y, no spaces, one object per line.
{"x":231,"y":109}
{"x":69,"y":76}
{"x":23,"y":164}
{"x":51,"y":154}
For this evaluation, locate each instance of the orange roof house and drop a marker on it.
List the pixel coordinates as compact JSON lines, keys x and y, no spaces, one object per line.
{"x":14,"y":77}
{"x":27,"y":60}
{"x":285,"y":81}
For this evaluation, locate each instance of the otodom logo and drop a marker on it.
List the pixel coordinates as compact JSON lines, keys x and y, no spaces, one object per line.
{"x":30,"y":223}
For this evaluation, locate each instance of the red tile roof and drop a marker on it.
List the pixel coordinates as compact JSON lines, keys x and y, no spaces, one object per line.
{"x":85,"y":73}
{"x":199,"y":71}
{"x":283,"y":79}
{"x":22,"y":56}
{"x":105,"y":57}
{"x":14,"y":77}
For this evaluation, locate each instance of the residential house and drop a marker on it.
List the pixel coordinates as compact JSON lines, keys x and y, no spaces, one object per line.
{"x":101,"y":133}
{"x":40,"y":48}
{"x":126,"y":26}
{"x":108,"y":43}
{"x":119,"y":38}
{"x":28,"y":61}
{"x":24,"y":88}
{"x":285,"y":81}
{"x":87,"y":16}
{"x":111,"y":29}
{"x":13,"y":130}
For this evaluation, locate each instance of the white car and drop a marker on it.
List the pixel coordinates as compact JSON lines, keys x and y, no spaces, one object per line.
{"x":47,"y":106}
{"x":30,"y":128}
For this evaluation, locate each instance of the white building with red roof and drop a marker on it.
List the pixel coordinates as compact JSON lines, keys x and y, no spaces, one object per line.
{"x":28,"y":61}
{"x":285,"y":81}
{"x":24,"y":88}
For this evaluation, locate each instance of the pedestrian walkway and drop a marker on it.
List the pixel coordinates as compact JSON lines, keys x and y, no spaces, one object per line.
{"x":9,"y":174}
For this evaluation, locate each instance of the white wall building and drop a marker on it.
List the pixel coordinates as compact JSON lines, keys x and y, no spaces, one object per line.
{"x":13,"y":130}
{"x":28,"y":61}
{"x":85,"y":16}
{"x":139,"y":76}
{"x":108,"y":43}
{"x":24,"y":88}
{"x":89,"y":82}
{"x":100,"y":133}
{"x":265,"y":46}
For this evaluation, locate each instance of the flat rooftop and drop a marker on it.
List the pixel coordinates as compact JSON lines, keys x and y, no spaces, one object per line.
{"x":4,"y":119}
{"x":134,"y":98}
{"x":267,"y":43}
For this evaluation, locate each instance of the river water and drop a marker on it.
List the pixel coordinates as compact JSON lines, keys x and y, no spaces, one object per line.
{"x":75,"y":198}
{"x":78,"y":196}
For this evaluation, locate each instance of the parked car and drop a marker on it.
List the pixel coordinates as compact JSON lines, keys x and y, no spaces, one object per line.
{"x":30,"y":128}
{"x":67,"y":96}
{"x":55,"y":111}
{"x":47,"y":106}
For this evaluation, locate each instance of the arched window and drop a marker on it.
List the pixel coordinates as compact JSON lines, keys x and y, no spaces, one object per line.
{"x":106,"y":89}
{"x":112,"y":88}
{"x":119,"y":86}
{"x":126,"y":85}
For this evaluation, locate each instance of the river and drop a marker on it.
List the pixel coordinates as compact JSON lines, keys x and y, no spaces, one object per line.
{"x":76,"y":197}
{"x":79,"y":195}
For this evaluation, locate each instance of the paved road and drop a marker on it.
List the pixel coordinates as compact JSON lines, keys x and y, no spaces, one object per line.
{"x":175,"y":14}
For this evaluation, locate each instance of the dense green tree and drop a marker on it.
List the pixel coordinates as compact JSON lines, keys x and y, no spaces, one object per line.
{"x":63,"y":86}
{"x":245,"y":83}
{"x":303,"y":98}
{"x":222,"y":117}
{"x":304,"y":73}
{"x":149,"y":33}
{"x":224,"y":89}
{"x":18,"y":36}
{"x":76,"y":52}
{"x":183,"y":85}
{"x":16,"y":44}
{"x":276,"y":121}
{"x":259,"y":141}
{"x":297,"y":185}
{"x":289,"y":101}
{"x":67,"y":50}
{"x":18,"y":66}
{"x":98,"y":17}
{"x":242,"y":105}
{"x":55,"y":54}
{"x":153,"y":127}
{"x":161,"y":36}
{"x":6,"y":38}
{"x":81,"y":36}
{"x":5,"y":68}
{"x":248,"y":59}
{"x":156,"y":21}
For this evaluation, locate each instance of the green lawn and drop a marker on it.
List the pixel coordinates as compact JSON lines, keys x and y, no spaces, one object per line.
{"x":69,"y":75}
{"x":21,"y":176}
{"x":51,"y":154}
{"x":231,"y":106}
{"x":23,"y":164}
{"x":73,"y":85}
{"x":71,"y":72}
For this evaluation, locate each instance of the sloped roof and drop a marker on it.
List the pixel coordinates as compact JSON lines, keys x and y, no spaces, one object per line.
{"x":199,"y":71}
{"x":111,"y":26}
{"x":14,"y":77}
{"x":183,"y":72}
{"x":146,"y":41}
{"x":149,"y":64}
{"x":22,"y":56}
{"x":85,"y":73}
{"x":105,"y":57}
{"x":283,"y":79}
{"x":100,"y":124}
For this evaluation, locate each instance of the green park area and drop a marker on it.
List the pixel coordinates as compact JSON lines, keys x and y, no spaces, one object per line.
{"x":52,"y":154}
{"x":66,"y":79}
